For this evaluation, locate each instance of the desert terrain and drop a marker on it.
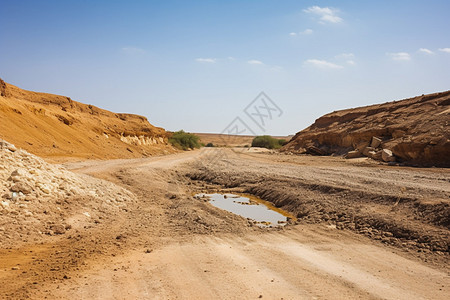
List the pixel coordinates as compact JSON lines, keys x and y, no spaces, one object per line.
{"x":165,"y":243}
{"x":92,"y":217}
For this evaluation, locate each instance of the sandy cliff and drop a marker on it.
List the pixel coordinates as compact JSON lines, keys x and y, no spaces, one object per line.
{"x":57,"y":127}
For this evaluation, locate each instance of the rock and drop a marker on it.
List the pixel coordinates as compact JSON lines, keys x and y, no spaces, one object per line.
{"x":14,"y":196}
{"x":375,"y":155}
{"x":21,"y":187}
{"x":18,"y":172}
{"x":315,"y":151}
{"x":387,"y":155}
{"x":44,"y":188}
{"x":366,"y":151}
{"x":353,"y":154}
{"x":9,"y":147}
{"x":361,"y":145}
{"x":376,"y":142}
{"x":58,"y":229}
{"x":398,"y":133}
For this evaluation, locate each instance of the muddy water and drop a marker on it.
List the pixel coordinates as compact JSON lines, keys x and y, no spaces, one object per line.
{"x":261,"y":212}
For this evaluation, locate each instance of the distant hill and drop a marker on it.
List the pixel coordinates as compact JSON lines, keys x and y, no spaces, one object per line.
{"x":229,"y":140}
{"x":57,"y":127}
{"x":416,"y":130}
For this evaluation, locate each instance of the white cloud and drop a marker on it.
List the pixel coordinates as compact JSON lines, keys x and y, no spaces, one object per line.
{"x":326,"y":14}
{"x":323,"y":64}
{"x":206,"y":60}
{"x":132,"y":50}
{"x":331,"y":18}
{"x":400,"y":56}
{"x":351,"y":62}
{"x":292,"y":34}
{"x":307,"y":31}
{"x":231,"y":58}
{"x":255,"y":62}
{"x":426,"y":51}
{"x":447,"y":50}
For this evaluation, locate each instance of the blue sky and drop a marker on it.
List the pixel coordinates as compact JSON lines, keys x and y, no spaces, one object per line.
{"x":195,"y":65}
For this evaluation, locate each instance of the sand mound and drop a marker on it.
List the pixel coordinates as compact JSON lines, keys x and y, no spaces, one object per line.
{"x":414,"y":131}
{"x":39,"y":199}
{"x":57,"y":127}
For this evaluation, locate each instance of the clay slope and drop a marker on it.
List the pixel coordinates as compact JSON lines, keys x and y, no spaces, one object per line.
{"x":59,"y":128}
{"x":416,"y":130}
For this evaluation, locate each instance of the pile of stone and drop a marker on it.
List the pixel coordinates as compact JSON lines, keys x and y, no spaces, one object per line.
{"x":39,"y":198}
{"x":373,"y":150}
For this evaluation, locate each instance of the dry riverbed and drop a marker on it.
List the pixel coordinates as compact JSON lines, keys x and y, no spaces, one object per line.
{"x":363,"y":230}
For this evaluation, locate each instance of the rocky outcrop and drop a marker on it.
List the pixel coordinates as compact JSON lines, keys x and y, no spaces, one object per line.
{"x":58,"y":127}
{"x":416,"y":132}
{"x":3,"y":89}
{"x":143,"y":140}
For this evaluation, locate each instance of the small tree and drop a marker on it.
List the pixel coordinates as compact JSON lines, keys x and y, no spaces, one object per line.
{"x":185,"y":141}
{"x":266,"y":141}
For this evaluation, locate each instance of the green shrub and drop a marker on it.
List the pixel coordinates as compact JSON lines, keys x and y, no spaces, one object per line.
{"x":266,"y":141}
{"x":185,"y":141}
{"x":209,"y":145}
{"x":282,"y":142}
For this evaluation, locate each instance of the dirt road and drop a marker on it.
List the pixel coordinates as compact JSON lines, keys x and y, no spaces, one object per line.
{"x":169,"y":245}
{"x":303,"y":263}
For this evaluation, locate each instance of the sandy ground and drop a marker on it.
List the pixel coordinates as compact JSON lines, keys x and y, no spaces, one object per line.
{"x":171,"y":246}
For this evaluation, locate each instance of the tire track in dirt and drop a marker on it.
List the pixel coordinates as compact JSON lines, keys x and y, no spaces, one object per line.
{"x":306,"y":262}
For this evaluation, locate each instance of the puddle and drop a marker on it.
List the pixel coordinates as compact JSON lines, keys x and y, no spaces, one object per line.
{"x":261,"y":212}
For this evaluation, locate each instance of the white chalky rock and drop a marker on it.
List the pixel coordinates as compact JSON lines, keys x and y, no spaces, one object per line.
{"x":39,"y":188}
